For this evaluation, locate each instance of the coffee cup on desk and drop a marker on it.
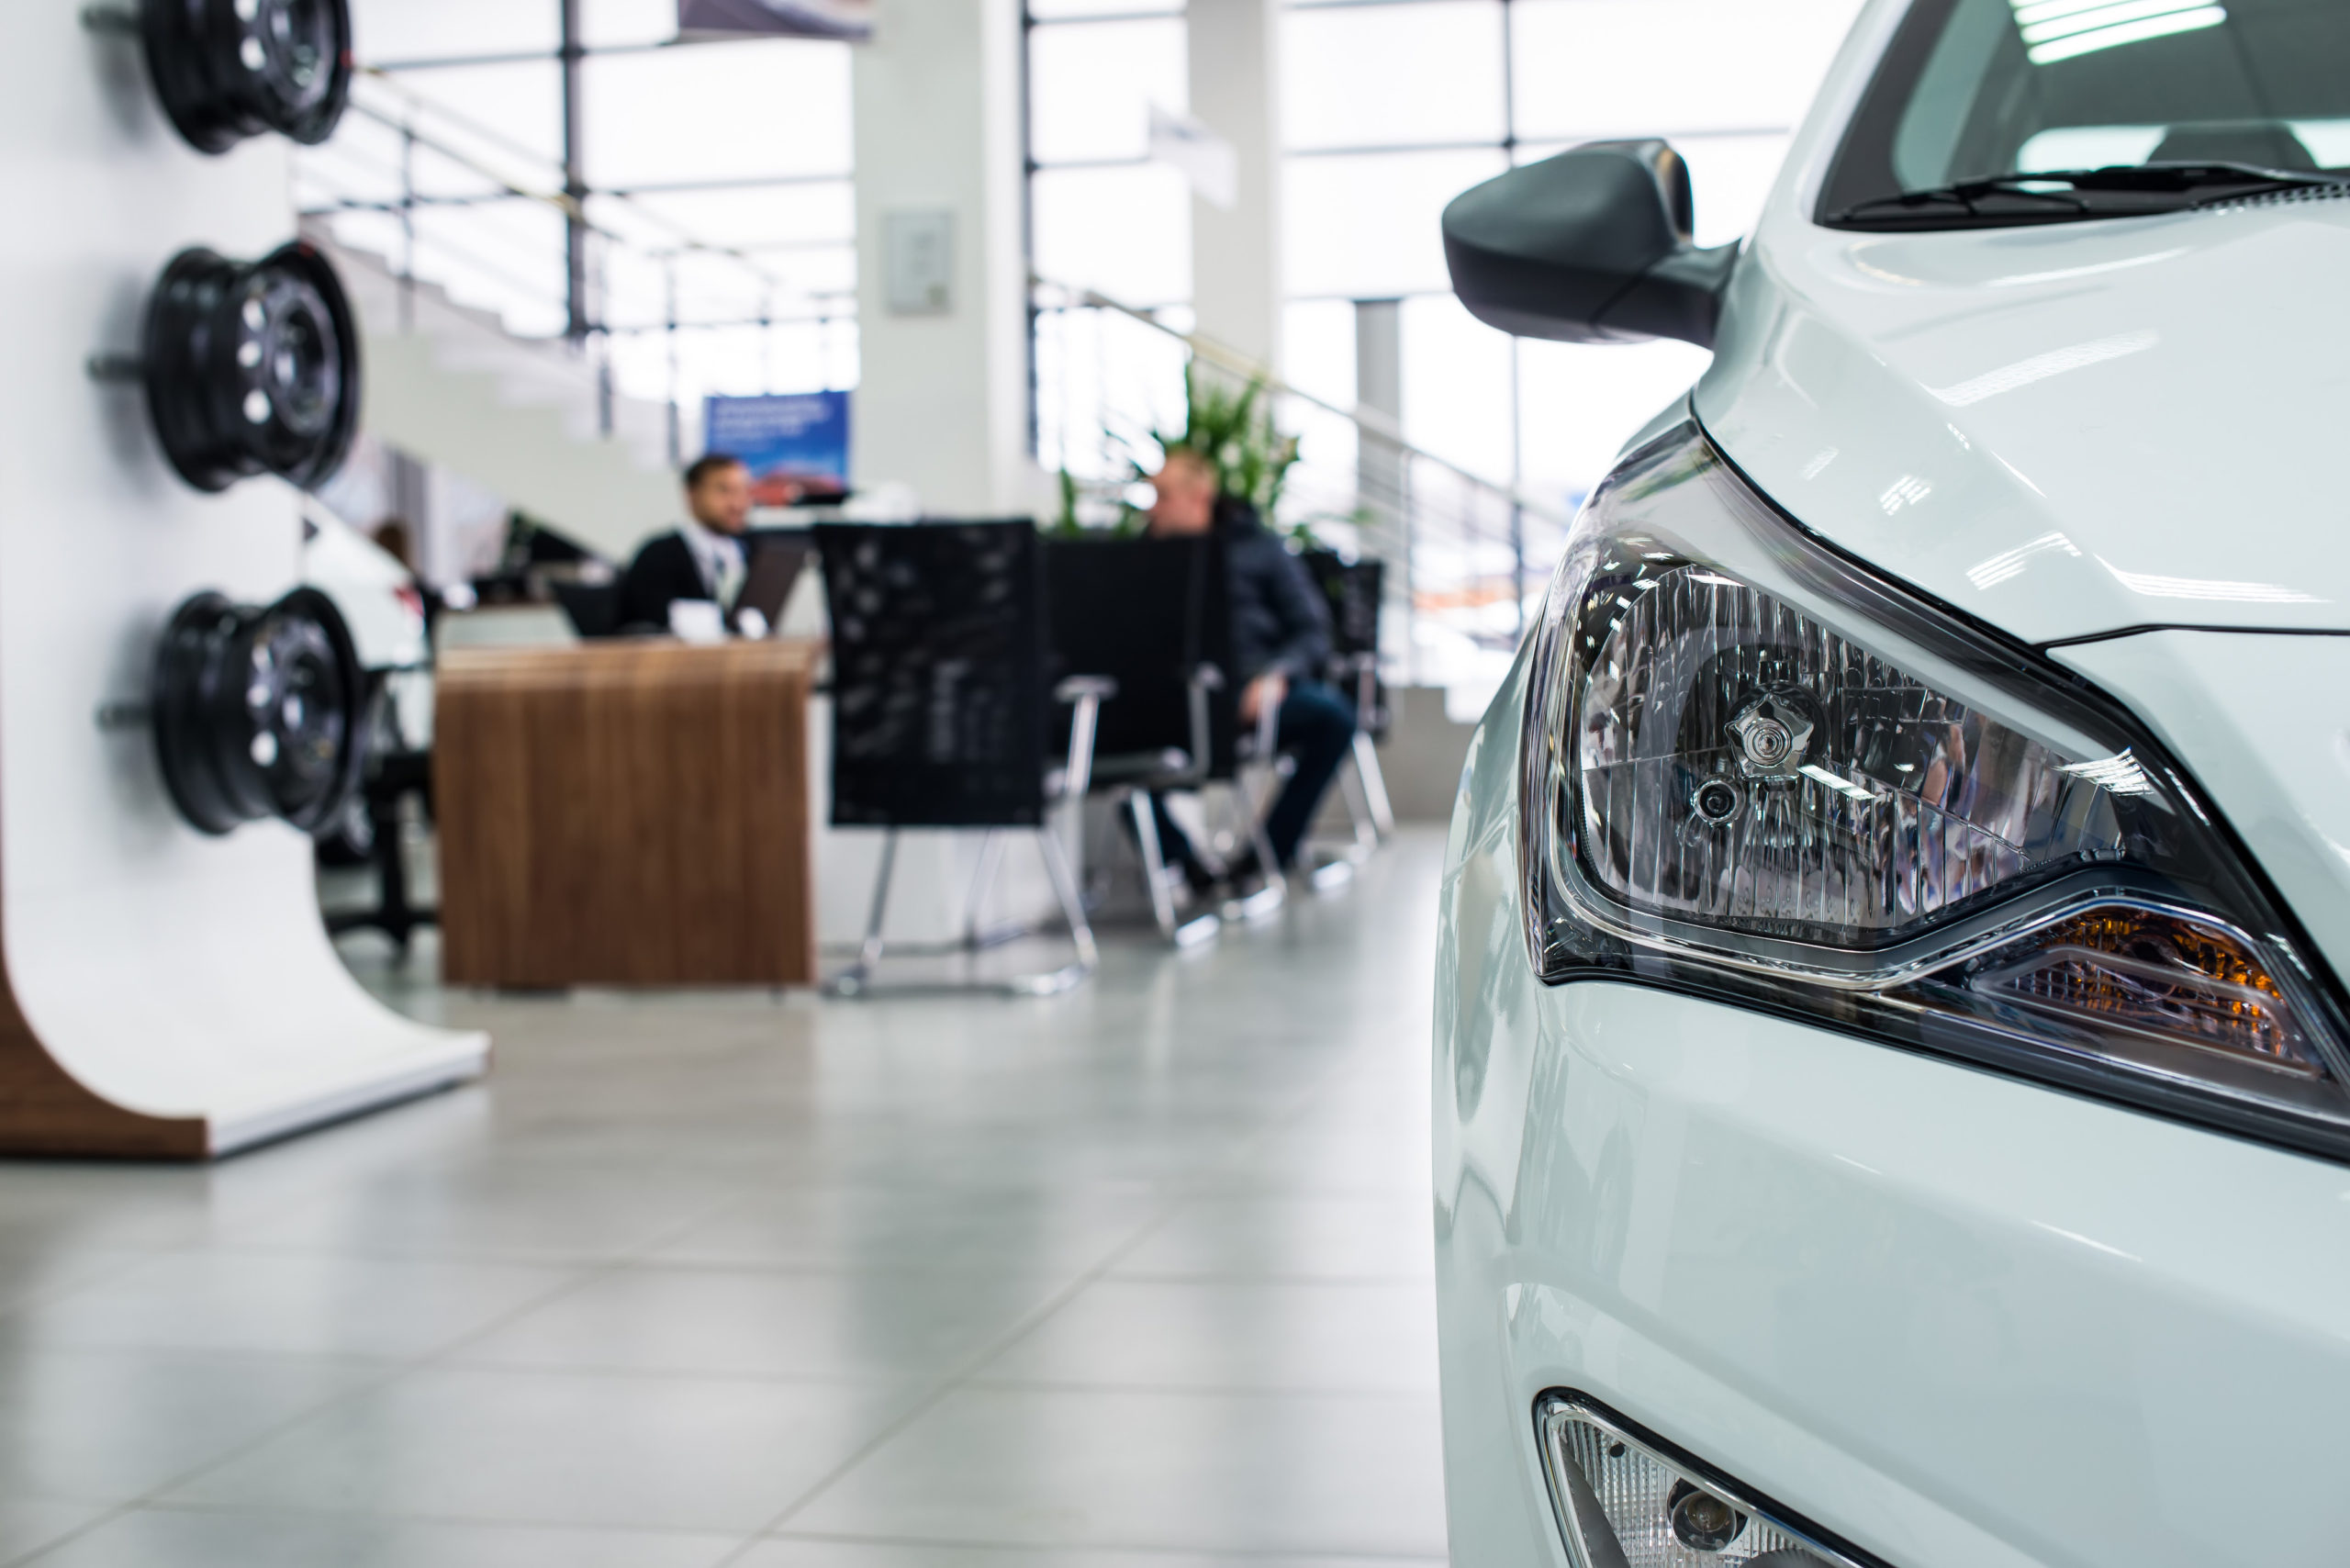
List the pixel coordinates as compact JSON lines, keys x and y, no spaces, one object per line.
{"x":696,"y":621}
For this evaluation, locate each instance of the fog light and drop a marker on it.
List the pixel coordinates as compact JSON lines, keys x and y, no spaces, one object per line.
{"x":225,"y":70}
{"x":252,"y":367}
{"x":259,"y":711}
{"x":1626,"y":1499}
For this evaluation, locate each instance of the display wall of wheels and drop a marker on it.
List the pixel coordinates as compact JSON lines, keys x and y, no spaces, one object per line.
{"x":176,"y":711}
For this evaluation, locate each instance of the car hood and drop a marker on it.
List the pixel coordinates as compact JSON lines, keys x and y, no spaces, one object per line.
{"x":2064,"y":431}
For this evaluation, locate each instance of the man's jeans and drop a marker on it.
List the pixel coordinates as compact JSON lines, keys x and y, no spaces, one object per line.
{"x":1317,"y":729}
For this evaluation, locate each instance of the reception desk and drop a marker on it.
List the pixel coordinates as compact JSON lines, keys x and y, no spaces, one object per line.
{"x":626,"y":814}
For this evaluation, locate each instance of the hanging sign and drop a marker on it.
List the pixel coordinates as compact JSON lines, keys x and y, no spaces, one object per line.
{"x":796,"y":445}
{"x":850,"y":19}
{"x":1206,"y":161}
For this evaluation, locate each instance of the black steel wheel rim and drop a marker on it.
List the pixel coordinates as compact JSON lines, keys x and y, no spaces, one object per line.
{"x":225,"y":70}
{"x":259,"y":711}
{"x":252,"y":367}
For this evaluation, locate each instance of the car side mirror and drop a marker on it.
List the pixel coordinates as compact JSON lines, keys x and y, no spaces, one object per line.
{"x":1592,"y":246}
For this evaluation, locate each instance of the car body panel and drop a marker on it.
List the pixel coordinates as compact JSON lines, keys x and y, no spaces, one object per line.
{"x":1954,"y":1317}
{"x":1951,"y":1317}
{"x":2029,"y":423}
{"x":2064,"y":431}
{"x":2263,"y":724}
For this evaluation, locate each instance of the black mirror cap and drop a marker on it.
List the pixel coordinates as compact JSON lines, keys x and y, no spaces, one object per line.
{"x":259,"y":711}
{"x":225,"y":70}
{"x":252,"y":367}
{"x":1592,"y":246}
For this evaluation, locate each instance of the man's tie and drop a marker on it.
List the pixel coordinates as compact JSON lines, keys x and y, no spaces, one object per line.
{"x":731,"y":573}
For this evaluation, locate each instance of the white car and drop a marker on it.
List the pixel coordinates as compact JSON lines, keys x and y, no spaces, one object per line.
{"x":383,"y":609}
{"x":1891,"y":1051}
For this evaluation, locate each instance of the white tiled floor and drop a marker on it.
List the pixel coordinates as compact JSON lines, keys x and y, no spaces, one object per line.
{"x":1134,"y":1278}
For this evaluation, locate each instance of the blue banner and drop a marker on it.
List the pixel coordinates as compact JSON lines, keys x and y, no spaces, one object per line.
{"x":796,"y":445}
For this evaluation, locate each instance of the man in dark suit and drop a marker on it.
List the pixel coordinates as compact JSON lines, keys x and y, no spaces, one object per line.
{"x":1280,"y":639}
{"x":702,"y":557}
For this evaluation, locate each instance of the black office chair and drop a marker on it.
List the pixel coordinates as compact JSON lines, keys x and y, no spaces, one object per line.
{"x":1355,"y":589}
{"x":393,"y":773}
{"x":1153,"y":616}
{"x":941,"y":711}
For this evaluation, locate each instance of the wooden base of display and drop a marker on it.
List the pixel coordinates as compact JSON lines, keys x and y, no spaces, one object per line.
{"x":44,"y":1110}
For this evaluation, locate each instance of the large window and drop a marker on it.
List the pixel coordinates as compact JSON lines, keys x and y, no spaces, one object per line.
{"x":1391,"y":107}
{"x":1104,"y":217}
{"x":720,"y":256}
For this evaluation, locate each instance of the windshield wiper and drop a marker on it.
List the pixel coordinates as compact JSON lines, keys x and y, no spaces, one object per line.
{"x":2067,"y":196}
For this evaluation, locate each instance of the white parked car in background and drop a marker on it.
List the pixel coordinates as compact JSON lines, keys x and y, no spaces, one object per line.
{"x":1891,"y":1051}
{"x":384,"y":609}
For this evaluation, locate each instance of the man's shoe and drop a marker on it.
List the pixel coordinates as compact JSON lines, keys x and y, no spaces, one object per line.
{"x":1199,"y":878}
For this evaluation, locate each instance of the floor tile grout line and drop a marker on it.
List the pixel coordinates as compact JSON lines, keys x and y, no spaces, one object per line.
{"x":968,"y":1369}
{"x":1189,"y":1553}
{"x":962,"y":1373}
{"x":1353,"y":1392}
{"x":1202,"y":1171}
{"x":469,"y":1521}
{"x":384,"y":1377}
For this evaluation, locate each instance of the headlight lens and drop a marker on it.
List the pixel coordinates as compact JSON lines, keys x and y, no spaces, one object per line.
{"x":1752,"y":767}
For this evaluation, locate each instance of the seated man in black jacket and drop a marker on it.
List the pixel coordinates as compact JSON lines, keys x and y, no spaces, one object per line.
{"x":702,"y":557}
{"x":1280,"y":639}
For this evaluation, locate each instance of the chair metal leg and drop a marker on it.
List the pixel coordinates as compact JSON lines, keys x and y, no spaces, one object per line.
{"x":868,"y":956}
{"x":1154,"y":861}
{"x":1064,"y":877}
{"x":1267,"y":900}
{"x":1080,"y":932}
{"x":982,"y":883}
{"x":1154,"y":870}
{"x":1375,"y":785}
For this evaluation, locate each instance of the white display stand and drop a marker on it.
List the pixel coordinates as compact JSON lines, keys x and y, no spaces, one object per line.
{"x":161,"y":993}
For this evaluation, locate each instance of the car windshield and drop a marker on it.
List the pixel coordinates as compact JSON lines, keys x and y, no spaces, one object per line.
{"x":1983,"y":92}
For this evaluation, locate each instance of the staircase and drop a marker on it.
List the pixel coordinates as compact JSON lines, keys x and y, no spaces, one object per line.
{"x":448,"y":385}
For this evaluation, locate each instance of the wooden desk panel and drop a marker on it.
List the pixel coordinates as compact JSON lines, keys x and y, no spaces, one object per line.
{"x":626,"y":814}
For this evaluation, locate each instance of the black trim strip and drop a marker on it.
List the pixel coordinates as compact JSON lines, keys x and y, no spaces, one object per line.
{"x":2144,"y":627}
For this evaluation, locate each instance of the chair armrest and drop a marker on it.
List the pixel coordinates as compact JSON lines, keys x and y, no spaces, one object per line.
{"x":1086,"y":693}
{"x":1204,"y":678}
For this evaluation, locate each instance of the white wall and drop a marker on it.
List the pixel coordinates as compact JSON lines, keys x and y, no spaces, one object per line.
{"x":1235,"y":54}
{"x":942,"y":400}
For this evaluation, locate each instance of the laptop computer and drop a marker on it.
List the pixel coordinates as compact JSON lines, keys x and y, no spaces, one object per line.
{"x":775,"y":569}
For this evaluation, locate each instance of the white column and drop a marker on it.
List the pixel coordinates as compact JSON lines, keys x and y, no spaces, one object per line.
{"x":1236,"y":254}
{"x":942,"y":397}
{"x":942,"y":400}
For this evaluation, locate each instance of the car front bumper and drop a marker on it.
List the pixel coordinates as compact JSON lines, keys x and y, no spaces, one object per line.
{"x":1950,"y":1316}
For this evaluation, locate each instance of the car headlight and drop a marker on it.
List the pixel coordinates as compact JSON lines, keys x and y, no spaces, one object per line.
{"x":1752,"y":767}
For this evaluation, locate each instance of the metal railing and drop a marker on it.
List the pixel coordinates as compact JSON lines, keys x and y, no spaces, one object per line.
{"x":434,"y":159}
{"x":1468,"y":556}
